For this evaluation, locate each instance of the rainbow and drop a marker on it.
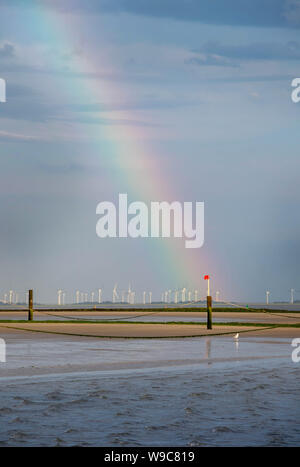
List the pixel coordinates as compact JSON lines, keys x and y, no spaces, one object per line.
{"x":175,"y":265}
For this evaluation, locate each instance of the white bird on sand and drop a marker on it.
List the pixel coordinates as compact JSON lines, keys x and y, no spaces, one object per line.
{"x":236,"y":336}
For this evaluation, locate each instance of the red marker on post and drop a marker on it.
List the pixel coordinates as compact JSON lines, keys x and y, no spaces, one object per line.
{"x":206,"y":278}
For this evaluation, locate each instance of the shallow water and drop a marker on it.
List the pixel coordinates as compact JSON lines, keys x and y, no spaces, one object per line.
{"x":210,"y":391}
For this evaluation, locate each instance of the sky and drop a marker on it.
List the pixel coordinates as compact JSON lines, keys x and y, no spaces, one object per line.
{"x":164,"y":100}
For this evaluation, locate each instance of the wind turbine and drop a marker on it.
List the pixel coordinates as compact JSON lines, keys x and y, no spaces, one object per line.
{"x":144,"y":298}
{"x":267,"y":296}
{"x":99,"y":295}
{"x":92,"y":295}
{"x":132,"y":297}
{"x":183,"y":294}
{"x":175,"y":296}
{"x":5,"y":297}
{"x":10,"y":296}
{"x":150,"y":297}
{"x":115,"y":294}
{"x":292,"y":296}
{"x":59,"y":294}
{"x":129,"y":293}
{"x":217,"y":295}
{"x":166,"y":296}
{"x":189,"y":296}
{"x":77,"y":296}
{"x":63,"y":297}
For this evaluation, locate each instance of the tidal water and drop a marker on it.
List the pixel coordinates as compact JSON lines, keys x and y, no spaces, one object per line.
{"x":180,"y":392}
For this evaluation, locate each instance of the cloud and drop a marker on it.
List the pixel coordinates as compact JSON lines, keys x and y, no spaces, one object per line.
{"x":211,"y":60}
{"x":90,"y":120}
{"x":27,"y":109}
{"x":7,"y":50}
{"x":16,"y":137}
{"x":254,"y":51}
{"x":261,"y":13}
{"x":292,"y":12}
{"x":148,"y":102}
{"x":31,"y":109}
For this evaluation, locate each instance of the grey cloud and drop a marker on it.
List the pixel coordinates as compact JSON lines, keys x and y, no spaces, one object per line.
{"x":61,"y":169}
{"x":150,"y":102}
{"x":211,"y":60}
{"x":105,"y":121}
{"x":292,"y":12}
{"x":261,"y":13}
{"x":7,"y":50}
{"x":19,"y":90}
{"x":254,"y":51}
{"x":25,"y":109}
{"x":16,"y":137}
{"x":33,"y":110}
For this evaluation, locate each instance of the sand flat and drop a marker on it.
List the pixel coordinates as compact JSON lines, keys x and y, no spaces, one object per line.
{"x":252,"y":317}
{"x":125,"y":330}
{"x":137,"y":330}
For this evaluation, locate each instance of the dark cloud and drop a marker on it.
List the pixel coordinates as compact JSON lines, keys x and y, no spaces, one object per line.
{"x":211,"y":60}
{"x":7,"y":50}
{"x":292,"y":12}
{"x":266,"y":13}
{"x":255,"y":51}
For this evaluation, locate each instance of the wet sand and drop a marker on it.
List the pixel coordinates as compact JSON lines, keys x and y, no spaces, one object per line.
{"x":62,"y":348}
{"x":141,"y":330}
{"x":123,"y":330}
{"x":67,"y":384}
{"x":63,"y":390}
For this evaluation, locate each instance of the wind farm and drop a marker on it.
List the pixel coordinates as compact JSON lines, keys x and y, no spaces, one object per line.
{"x":149,"y":235}
{"x":179,"y":307}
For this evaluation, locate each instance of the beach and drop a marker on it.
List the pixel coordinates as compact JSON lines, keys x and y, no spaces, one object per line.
{"x":145,"y":384}
{"x":67,"y":390}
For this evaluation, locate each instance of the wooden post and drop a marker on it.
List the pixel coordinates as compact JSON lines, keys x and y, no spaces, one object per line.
{"x":30,"y":305}
{"x":209,"y":312}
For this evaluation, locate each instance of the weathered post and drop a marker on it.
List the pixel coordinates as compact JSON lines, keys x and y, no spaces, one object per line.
{"x":30,"y":305}
{"x":208,"y":304}
{"x":209,"y":312}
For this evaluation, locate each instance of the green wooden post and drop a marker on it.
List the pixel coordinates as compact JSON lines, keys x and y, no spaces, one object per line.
{"x":30,"y":305}
{"x":209,"y":312}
